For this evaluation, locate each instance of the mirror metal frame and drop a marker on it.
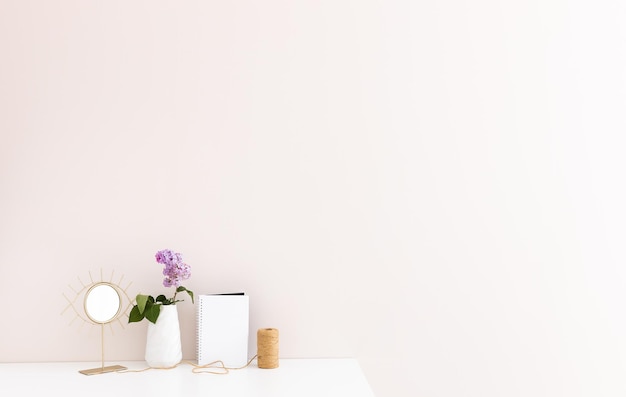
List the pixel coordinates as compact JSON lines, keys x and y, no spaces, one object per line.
{"x":111,"y":368}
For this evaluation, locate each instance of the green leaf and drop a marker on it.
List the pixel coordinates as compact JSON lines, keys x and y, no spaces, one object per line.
{"x":141,"y":302}
{"x":181,"y":289}
{"x":152,"y":313}
{"x":190,"y":294}
{"x":135,"y":315}
{"x":161,"y":298}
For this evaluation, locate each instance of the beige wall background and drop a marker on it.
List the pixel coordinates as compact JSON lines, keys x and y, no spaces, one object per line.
{"x":434,"y":188}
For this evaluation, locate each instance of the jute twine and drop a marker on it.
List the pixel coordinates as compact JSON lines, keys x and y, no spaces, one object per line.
{"x":216,"y":367}
{"x":267,"y":348}
{"x":267,"y":356}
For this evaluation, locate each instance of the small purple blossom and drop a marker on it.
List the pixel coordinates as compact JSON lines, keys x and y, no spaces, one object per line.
{"x":175,"y":269}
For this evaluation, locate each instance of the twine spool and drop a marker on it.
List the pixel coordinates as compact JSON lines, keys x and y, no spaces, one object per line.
{"x":267,"y":348}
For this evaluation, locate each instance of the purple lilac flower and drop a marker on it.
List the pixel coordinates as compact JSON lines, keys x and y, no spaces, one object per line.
{"x":175,"y":269}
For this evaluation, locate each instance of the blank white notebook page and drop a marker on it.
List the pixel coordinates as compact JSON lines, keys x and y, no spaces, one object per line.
{"x":222,"y":332}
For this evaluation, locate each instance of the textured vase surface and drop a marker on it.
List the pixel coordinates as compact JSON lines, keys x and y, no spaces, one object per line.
{"x":163,"y":347}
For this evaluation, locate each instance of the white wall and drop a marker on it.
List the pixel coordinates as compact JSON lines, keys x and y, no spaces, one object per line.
{"x":433,"y":187}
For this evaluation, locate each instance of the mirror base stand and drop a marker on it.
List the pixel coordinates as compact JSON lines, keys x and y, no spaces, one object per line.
{"x":102,"y":370}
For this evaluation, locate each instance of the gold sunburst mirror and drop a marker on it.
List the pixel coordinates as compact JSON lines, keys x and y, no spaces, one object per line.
{"x":101,"y":306}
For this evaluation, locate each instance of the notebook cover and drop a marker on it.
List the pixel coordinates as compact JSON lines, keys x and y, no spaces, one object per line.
{"x":222,"y":332}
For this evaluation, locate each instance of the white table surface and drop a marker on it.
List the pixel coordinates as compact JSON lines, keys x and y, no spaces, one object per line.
{"x":294,"y":378}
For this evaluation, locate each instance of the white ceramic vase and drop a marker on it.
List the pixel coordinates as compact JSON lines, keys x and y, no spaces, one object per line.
{"x":163,"y":347}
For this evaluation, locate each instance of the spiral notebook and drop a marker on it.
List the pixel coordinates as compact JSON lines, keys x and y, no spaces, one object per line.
{"x":222,"y":329}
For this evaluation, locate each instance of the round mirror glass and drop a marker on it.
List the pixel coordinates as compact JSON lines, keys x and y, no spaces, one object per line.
{"x":102,"y":303}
